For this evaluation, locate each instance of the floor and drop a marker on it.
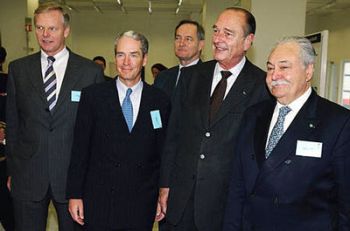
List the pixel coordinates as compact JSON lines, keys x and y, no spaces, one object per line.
{"x":52,"y":221}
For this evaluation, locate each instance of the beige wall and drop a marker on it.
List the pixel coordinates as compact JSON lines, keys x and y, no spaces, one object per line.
{"x":275,"y":19}
{"x":338,"y":26}
{"x":93,"y":34}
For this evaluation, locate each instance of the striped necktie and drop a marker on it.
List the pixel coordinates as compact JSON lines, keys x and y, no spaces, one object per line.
{"x":50,"y":83}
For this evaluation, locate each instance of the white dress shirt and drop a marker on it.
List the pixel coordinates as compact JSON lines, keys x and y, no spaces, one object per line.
{"x":59,"y":66}
{"x":231,"y":80}
{"x":295,"y":107}
{"x":135,"y":96}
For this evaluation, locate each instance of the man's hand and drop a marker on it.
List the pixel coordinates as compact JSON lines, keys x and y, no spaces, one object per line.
{"x":9,"y":183}
{"x":76,"y":210}
{"x":162,"y":203}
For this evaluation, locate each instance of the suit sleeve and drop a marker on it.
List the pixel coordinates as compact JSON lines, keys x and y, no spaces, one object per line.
{"x":173,"y":130}
{"x":81,"y":148}
{"x":11,"y":119}
{"x":341,"y":164}
{"x":236,"y":195}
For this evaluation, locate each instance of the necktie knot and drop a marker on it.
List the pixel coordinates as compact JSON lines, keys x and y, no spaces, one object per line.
{"x":51,"y":59}
{"x":226,"y":74}
{"x":284,"y":111}
{"x":128,"y":92}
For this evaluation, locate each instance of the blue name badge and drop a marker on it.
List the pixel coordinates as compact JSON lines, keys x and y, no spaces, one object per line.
{"x":75,"y":96}
{"x":156,"y":120}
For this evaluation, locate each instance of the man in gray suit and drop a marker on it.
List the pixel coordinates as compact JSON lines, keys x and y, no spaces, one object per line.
{"x":203,"y":126}
{"x":43,"y":95}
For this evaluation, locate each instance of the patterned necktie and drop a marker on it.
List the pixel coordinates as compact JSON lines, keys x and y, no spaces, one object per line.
{"x":50,"y":83}
{"x":127,"y":109}
{"x":277,"y":130}
{"x":218,"y":95}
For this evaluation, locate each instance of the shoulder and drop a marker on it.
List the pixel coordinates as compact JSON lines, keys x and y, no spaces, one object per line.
{"x":328,"y":109}
{"x":155,"y":94}
{"x":82,"y":61}
{"x":29,"y":59}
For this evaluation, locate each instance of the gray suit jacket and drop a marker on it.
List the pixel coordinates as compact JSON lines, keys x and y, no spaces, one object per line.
{"x":39,"y":141}
{"x":197,"y":156}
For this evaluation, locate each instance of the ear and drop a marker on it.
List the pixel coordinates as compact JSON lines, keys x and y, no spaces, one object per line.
{"x":201,"y":45}
{"x":309,"y":72}
{"x":145,"y":58}
{"x":248,"y":41}
{"x":66,"y":31}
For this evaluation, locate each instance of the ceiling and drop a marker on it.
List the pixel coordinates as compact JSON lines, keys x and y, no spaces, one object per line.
{"x":314,"y":7}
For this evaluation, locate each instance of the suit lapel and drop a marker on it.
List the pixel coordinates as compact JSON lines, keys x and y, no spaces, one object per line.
{"x":302,"y":127}
{"x":71,"y":76}
{"x":238,"y":93}
{"x":205,"y":81}
{"x":261,"y":132}
{"x":36,"y":76}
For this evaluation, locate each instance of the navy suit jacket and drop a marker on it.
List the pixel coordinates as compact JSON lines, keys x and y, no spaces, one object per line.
{"x":115,"y":172}
{"x":290,"y":192}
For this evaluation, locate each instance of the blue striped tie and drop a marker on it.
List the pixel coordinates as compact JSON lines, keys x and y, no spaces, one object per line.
{"x":277,"y":130}
{"x":50,"y":83}
{"x":127,"y":109}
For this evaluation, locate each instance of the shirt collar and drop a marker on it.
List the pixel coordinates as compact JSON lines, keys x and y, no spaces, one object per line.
{"x":59,"y":55}
{"x":190,"y":64}
{"x":122,"y":88}
{"x":297,"y":103}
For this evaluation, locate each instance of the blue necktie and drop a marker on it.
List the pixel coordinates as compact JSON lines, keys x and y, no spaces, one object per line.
{"x":50,"y":83}
{"x":277,"y":130}
{"x":127,"y":109}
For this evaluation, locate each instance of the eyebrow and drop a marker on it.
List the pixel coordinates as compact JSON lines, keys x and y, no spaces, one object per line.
{"x":279,"y":62}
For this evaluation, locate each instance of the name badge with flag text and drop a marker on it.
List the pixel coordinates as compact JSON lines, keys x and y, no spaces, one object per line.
{"x":309,"y":148}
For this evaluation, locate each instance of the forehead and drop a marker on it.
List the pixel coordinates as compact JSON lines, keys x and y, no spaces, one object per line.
{"x":285,"y":52}
{"x":49,"y":16}
{"x":186,"y":29}
{"x":231,"y":19}
{"x":127,"y":44}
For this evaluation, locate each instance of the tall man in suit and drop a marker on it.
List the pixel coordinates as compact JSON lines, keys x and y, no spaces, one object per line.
{"x":114,"y":172}
{"x":199,"y":148}
{"x":292,"y":168}
{"x":188,"y":45}
{"x":42,"y":101}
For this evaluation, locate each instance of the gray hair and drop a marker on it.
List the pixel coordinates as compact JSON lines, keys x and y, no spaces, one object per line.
{"x":136,"y":36}
{"x":51,"y":6}
{"x":307,"y":52}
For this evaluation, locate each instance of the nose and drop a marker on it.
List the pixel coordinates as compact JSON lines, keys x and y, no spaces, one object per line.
{"x":45,"y":32}
{"x":126,"y":60}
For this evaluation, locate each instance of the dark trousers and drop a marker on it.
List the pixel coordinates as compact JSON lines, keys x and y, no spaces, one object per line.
{"x":104,"y":228}
{"x":32,"y":215}
{"x":187,"y":221}
{"x":6,"y":210}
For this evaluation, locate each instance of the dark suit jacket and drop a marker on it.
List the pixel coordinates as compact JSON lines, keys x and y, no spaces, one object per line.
{"x":290,"y":192}
{"x":115,"y":172}
{"x":166,"y":80}
{"x":197,"y":156}
{"x":39,"y":141}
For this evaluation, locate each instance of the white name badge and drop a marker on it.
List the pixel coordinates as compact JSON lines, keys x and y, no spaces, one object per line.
{"x":309,"y":148}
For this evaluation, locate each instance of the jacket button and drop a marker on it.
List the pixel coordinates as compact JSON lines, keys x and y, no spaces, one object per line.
{"x":288,"y":161}
{"x":207,"y":134}
{"x":202,"y":156}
